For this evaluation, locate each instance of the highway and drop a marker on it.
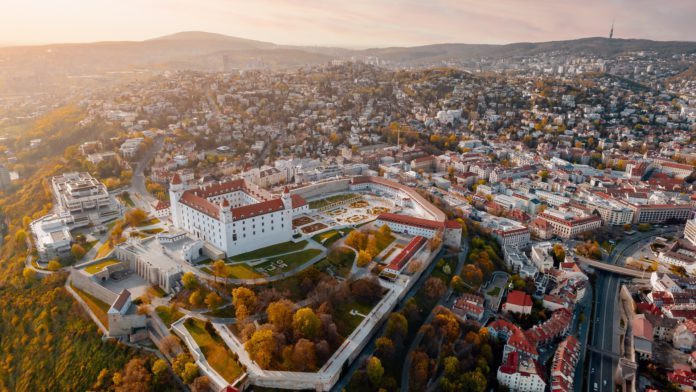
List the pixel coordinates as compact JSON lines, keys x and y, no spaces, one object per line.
{"x":605,"y":317}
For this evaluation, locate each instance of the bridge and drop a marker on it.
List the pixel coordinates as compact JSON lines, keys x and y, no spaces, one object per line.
{"x":603,"y":352}
{"x":633,"y":273}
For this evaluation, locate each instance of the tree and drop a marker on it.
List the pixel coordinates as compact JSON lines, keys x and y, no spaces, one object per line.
{"x":213,"y":300}
{"x":136,"y":377}
{"x":196,"y":298}
{"x":363,"y":258}
{"x":356,"y":239}
{"x":558,"y":253}
{"x":261,"y":347}
{"x":305,"y":323}
{"x":135,"y":217}
{"x":189,"y":280}
{"x":160,"y":368}
{"x":244,"y":301}
{"x":435,"y":242}
{"x":304,"y":356}
{"x":280,"y":315}
{"x":371,"y":248}
{"x":53,"y":265}
{"x":219,"y":269}
{"x":201,"y":384}
{"x":29,"y":274}
{"x":170,"y":345}
{"x":77,"y":251}
{"x":190,"y":372}
{"x":375,"y":370}
{"x":397,"y":327}
{"x":21,"y":238}
{"x":451,"y":366}
{"x":434,"y":288}
{"x":457,"y":284}
{"x":384,"y":348}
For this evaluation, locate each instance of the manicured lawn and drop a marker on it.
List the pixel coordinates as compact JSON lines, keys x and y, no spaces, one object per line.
{"x":126,"y":199}
{"x":340,"y":260}
{"x":494,"y":291}
{"x":216,"y":352}
{"x":222,"y":312}
{"x":98,"y":307}
{"x":153,"y":231}
{"x":168,"y":314}
{"x":104,"y":250}
{"x":269,"y":251}
{"x":384,"y":242}
{"x":331,"y":199}
{"x":291,"y":260}
{"x":237,"y":271}
{"x":94,"y":268}
{"x":89,"y":245}
{"x":346,"y":322}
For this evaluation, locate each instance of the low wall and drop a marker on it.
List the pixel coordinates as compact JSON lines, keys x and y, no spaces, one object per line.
{"x":322,"y":188}
{"x":86,"y":284}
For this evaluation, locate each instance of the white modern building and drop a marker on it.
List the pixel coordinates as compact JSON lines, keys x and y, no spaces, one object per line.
{"x":84,"y":198}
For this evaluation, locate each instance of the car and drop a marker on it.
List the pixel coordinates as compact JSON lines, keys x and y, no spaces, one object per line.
{"x":592,"y":371}
{"x":605,"y":382}
{"x":596,"y":387}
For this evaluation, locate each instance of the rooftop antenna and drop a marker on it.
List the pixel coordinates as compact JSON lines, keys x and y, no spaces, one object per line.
{"x":611,"y":32}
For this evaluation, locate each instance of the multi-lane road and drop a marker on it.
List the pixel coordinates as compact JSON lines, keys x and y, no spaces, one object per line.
{"x":604,"y":336}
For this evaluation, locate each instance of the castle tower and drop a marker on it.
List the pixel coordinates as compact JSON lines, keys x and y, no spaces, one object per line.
{"x":176,"y":188}
{"x":287,"y":199}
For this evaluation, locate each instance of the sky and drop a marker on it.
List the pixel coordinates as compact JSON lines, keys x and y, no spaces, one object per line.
{"x":346,"y":23}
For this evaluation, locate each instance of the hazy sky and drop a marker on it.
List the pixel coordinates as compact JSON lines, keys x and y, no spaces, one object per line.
{"x":354,"y":23}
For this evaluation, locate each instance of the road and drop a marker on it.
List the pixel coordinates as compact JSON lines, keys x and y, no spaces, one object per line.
{"x":138,"y":190}
{"x":605,"y":317}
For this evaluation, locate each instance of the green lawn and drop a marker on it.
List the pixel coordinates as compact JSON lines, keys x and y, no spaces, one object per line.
{"x":237,"y":271}
{"x":331,"y":199}
{"x":216,"y":352}
{"x":382,"y":243}
{"x":269,"y":251}
{"x":89,"y":245}
{"x":291,"y":260}
{"x":346,"y":322}
{"x":152,"y":231}
{"x":98,"y":307}
{"x":340,"y":260}
{"x":94,"y":268}
{"x":494,"y":291}
{"x":168,"y":314}
{"x":104,"y":250}
{"x":126,"y":199}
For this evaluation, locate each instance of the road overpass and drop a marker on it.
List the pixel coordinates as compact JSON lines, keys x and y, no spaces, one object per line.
{"x":613,"y":268}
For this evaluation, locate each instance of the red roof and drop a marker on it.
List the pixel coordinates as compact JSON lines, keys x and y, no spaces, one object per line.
{"x":519,"y":298}
{"x":405,"y":255}
{"x":411,"y":221}
{"x":252,"y":210}
{"x":161,"y":205}
{"x":176,"y":180}
{"x":297,"y":201}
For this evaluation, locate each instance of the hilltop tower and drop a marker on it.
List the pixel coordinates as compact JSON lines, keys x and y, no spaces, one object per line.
{"x":611,"y":32}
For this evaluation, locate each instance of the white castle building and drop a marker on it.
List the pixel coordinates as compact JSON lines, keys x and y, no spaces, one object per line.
{"x":234,"y":216}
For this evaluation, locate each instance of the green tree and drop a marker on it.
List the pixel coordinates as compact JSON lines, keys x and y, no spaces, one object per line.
{"x":306,"y":324}
{"x":190,"y":372}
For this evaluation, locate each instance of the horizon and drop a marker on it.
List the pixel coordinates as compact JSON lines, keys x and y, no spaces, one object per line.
{"x":8,"y":44}
{"x":360,"y":24}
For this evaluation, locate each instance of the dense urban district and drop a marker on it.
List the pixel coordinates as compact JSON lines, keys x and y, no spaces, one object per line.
{"x":522,"y":225}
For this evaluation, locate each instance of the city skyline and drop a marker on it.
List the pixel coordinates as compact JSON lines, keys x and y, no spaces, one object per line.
{"x":359,"y":24}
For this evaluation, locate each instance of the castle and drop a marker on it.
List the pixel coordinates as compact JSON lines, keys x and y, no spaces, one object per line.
{"x":234,"y":216}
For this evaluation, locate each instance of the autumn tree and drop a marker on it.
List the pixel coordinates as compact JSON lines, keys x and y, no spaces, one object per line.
{"x":371,"y":248}
{"x":219,"y":269}
{"x":196,"y":298}
{"x":244,"y":301}
{"x":280,"y":315}
{"x":190,"y":372}
{"x":189,"y":280}
{"x":304,"y":356}
{"x":77,"y":251}
{"x":261,"y":347}
{"x":136,"y":377}
{"x":53,"y":265}
{"x":374,"y":370}
{"x":201,"y":384}
{"x":213,"y":300}
{"x":305,"y":323}
{"x":434,"y":288}
{"x":558,"y":253}
{"x":135,"y":217}
{"x":384,"y":348}
{"x":397,"y":327}
{"x":364,"y":258}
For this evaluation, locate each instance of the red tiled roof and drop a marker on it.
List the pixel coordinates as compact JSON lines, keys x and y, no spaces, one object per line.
{"x":411,"y":221}
{"x":252,"y":210}
{"x":176,"y":180}
{"x":121,"y":299}
{"x":519,"y":298}
{"x":297,"y":201}
{"x":405,"y":255}
{"x":201,"y":204}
